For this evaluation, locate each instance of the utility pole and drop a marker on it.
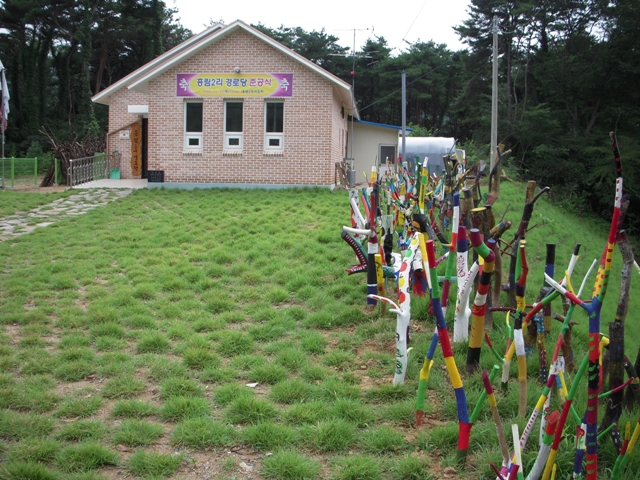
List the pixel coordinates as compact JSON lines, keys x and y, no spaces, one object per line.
{"x":404,"y":117}
{"x":4,"y":113}
{"x":353,"y":92}
{"x":494,"y":95}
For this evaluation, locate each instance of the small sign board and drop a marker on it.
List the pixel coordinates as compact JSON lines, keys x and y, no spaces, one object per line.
{"x":136,"y":147}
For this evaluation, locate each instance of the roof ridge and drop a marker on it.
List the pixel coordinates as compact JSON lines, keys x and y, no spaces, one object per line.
{"x":158,"y":61}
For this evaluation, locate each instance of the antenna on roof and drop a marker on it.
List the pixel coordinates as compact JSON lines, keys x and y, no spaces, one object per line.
{"x":353,"y":74}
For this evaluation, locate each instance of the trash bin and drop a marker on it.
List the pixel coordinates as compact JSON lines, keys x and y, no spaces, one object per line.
{"x":114,"y":174}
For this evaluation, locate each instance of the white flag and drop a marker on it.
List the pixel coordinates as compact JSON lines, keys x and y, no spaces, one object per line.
{"x":5,"y":101}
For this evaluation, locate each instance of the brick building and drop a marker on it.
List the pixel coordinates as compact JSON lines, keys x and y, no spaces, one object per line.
{"x":229,"y":106}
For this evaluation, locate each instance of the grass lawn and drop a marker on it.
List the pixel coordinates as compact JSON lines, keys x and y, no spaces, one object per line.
{"x":12,"y":202}
{"x":128,"y":336}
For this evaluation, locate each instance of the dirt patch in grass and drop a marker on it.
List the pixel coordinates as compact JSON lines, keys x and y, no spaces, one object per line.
{"x":34,"y":189}
{"x":212,"y":464}
{"x":70,"y":389}
{"x":368,"y":383}
{"x":13,"y":332}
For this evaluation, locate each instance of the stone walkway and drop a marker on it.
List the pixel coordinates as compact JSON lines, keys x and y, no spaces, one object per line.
{"x":44,"y":215}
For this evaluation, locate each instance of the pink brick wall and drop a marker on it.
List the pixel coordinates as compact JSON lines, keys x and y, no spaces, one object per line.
{"x":339,"y":130}
{"x":313,"y":124}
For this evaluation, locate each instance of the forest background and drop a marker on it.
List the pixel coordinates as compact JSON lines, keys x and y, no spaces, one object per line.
{"x":569,"y":73}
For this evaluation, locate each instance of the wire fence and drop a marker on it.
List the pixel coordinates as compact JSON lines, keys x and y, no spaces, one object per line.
{"x":26,"y":172}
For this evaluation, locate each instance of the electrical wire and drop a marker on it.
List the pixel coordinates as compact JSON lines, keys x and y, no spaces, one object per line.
{"x":411,"y":26}
{"x":400,"y":89}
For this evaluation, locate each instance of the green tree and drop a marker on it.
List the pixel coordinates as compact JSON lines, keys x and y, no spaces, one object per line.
{"x":318,"y":47}
{"x":370,"y":62}
{"x":58,"y":54}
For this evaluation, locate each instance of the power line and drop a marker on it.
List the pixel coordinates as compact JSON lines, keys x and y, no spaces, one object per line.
{"x":354,"y":107}
{"x":400,"y":89}
{"x":411,"y":26}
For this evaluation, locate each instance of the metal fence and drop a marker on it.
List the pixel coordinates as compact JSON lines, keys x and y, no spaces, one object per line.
{"x":89,"y":169}
{"x":18,"y":171}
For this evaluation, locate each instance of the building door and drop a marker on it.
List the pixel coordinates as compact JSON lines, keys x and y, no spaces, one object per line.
{"x":145,"y":147}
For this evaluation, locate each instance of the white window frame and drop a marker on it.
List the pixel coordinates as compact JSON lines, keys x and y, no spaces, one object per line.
{"x":269,"y":136}
{"x":231,"y":136}
{"x":190,"y":136}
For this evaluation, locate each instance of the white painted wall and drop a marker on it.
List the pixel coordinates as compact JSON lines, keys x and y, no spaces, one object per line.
{"x":366,"y":146}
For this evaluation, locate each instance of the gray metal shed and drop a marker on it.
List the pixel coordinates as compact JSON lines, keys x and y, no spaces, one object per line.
{"x":432,"y":147}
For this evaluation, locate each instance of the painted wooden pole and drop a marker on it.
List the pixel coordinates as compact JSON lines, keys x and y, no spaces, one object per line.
{"x":479,"y":304}
{"x":544,"y":321}
{"x":527,"y":212}
{"x":380,"y":277}
{"x":543,"y":454}
{"x":496,"y":233}
{"x":549,"y":268}
{"x":578,"y":459}
{"x":386,"y":223}
{"x":372,"y":248}
{"x":425,"y":371}
{"x":525,"y":322}
{"x":502,"y":440}
{"x":517,"y":453}
{"x":454,"y":375}
{"x":594,"y":309}
{"x":542,"y":402}
{"x":616,"y":346}
{"x":357,"y":220}
{"x":600,"y":290}
{"x":518,"y":337}
{"x":428,"y":360}
{"x":402,"y":311}
{"x":529,"y":317}
{"x":421,"y":284}
{"x":465,"y":283}
{"x":358,"y":250}
{"x":466,"y":205}
{"x":623,"y":458}
{"x":632,"y":396}
{"x":563,"y":418}
{"x":453,"y":257}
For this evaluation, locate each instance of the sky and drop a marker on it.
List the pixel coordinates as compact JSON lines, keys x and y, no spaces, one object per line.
{"x":422,"y":20}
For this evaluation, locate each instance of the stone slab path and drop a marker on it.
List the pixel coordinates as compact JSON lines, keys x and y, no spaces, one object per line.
{"x":15,"y":225}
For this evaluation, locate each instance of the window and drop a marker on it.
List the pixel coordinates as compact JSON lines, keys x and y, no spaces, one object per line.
{"x":233,"y":126}
{"x":193,"y":125}
{"x":387,"y":154}
{"x":274,"y":126}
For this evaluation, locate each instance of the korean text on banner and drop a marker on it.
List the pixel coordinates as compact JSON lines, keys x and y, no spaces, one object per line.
{"x":234,"y":85}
